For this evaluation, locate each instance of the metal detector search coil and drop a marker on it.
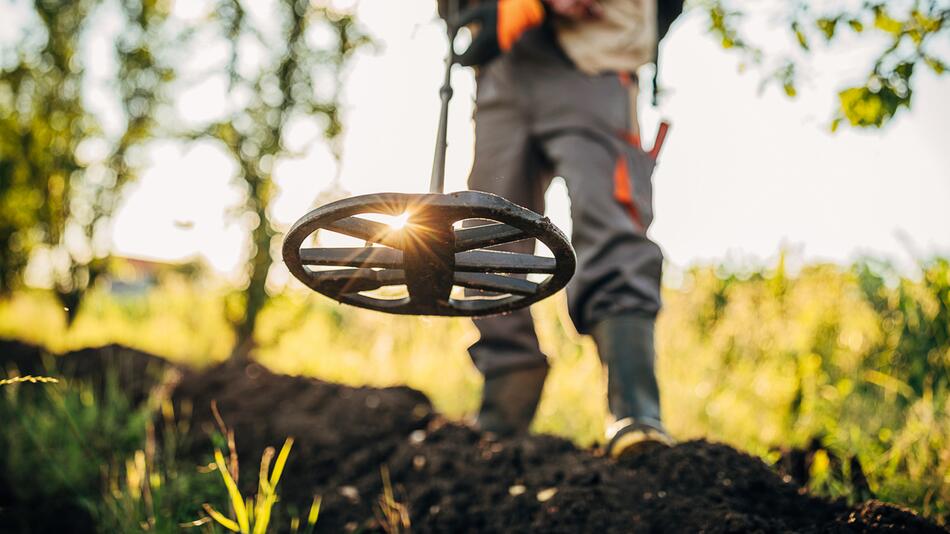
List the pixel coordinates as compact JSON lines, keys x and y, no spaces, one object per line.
{"x":430,"y":255}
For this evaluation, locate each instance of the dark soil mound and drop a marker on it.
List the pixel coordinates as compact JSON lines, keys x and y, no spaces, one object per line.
{"x":450,"y":478}
{"x":18,"y":355}
{"x":329,"y":422}
{"x":134,"y":372}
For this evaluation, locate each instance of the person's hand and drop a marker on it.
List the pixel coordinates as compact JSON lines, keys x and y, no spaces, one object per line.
{"x":502,"y":23}
{"x":576,"y":9}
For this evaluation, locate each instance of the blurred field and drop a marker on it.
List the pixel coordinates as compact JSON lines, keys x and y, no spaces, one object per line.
{"x":857,"y":357}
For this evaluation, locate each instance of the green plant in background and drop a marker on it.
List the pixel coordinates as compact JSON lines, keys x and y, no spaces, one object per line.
{"x":63,"y":436}
{"x":153,"y":489}
{"x":99,"y":463}
{"x":175,"y":321}
{"x":851,"y":366}
{"x":908,"y":33}
{"x":62,"y":167}
{"x":74,"y":456}
{"x":296,"y":78}
{"x":64,"y":162}
{"x":916,"y":344}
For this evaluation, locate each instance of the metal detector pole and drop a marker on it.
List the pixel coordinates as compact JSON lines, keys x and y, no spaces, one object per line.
{"x":437,"y":182}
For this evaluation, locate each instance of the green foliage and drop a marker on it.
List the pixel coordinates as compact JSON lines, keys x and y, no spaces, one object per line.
{"x":909,"y":33}
{"x":57,"y":187}
{"x":53,"y":431}
{"x":177,"y":322}
{"x":87,"y":455}
{"x":864,"y":107}
{"x":849,"y":365}
{"x":153,"y":490}
{"x":916,"y":347}
{"x":286,"y":85}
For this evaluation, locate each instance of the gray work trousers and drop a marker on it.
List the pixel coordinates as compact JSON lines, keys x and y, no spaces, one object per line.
{"x":538,"y":117}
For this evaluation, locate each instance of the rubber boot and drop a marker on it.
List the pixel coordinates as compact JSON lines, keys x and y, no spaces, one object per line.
{"x":625,"y":345}
{"x":510,"y":400}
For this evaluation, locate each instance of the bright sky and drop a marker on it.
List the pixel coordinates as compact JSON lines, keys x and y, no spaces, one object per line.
{"x":744,"y":172}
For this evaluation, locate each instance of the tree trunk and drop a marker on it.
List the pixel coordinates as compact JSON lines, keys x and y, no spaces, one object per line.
{"x":259,"y":266}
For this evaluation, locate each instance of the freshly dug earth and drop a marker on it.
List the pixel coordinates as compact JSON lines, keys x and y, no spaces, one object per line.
{"x":329,"y":422}
{"x":450,"y":478}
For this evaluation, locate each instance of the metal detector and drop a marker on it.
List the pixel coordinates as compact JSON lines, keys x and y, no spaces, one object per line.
{"x":426,"y":262}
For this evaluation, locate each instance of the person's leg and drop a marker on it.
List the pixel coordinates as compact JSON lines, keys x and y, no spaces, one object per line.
{"x":615,"y":294}
{"x":507,"y":352}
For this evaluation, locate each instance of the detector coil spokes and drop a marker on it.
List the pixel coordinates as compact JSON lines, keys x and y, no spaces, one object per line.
{"x":425,"y":262}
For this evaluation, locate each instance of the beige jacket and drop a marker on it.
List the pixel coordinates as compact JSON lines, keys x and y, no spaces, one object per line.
{"x":622,"y":40}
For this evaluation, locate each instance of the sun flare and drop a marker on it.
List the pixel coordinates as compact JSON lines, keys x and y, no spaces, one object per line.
{"x":398,"y":222}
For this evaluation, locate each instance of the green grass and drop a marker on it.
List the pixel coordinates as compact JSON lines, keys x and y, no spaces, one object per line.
{"x":69,"y":452}
{"x":858,"y":357}
{"x":82,"y":454}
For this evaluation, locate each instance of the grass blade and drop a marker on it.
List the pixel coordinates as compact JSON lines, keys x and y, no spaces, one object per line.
{"x":265,"y":505}
{"x":220,"y":518}
{"x":281,"y":461}
{"x":314,"y":513}
{"x":30,"y":379}
{"x":237,"y":501}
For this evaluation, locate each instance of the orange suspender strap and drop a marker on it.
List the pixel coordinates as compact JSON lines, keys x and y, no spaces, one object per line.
{"x":634,"y":139}
{"x":660,"y":139}
{"x":516,"y":17}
